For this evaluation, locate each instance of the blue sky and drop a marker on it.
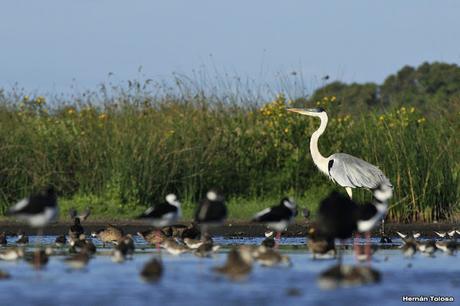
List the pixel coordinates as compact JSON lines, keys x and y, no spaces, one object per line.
{"x":48,"y":45}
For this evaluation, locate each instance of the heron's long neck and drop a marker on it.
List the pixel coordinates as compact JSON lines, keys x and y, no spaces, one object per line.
{"x":319,"y":160}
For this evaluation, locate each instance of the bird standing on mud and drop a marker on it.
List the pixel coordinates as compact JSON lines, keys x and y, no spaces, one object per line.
{"x":211,"y":210}
{"x":278,"y":217}
{"x":163,"y":214}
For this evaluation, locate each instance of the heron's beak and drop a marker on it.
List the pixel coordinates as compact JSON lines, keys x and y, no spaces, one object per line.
{"x":301,"y":111}
{"x":296,"y":110}
{"x":306,"y":111}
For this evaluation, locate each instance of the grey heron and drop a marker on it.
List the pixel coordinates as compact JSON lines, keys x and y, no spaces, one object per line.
{"x":346,"y":170}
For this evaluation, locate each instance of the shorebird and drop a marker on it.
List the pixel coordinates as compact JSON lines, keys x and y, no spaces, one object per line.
{"x":321,"y":246}
{"x":238,"y":264}
{"x":76,"y":229}
{"x":206,"y":249}
{"x":193,"y":243}
{"x":153,"y":236}
{"x":163,"y":214}
{"x":127,"y":244}
{"x":192,"y":231}
{"x":413,"y":235}
{"x":211,"y":210}
{"x":108,"y":235}
{"x":339,"y":217}
{"x":196,"y":243}
{"x":450,"y":234}
{"x":175,"y":230}
{"x":152,"y":270}
{"x":23,"y":239}
{"x":269,"y":240}
{"x":409,"y":248}
{"x":12,"y":254}
{"x":268,"y":257}
{"x":173,"y":247}
{"x":427,"y":247}
{"x":38,"y":209}
{"x":447,"y":246}
{"x":277,"y":217}
{"x":123,"y":249}
{"x":82,"y":245}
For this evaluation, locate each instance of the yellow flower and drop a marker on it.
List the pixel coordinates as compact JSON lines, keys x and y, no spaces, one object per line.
{"x":40,"y":100}
{"x":103,"y":116}
{"x":421,"y":120}
{"x":325,"y":98}
{"x":318,"y":103}
{"x":71,"y":111}
{"x":286,"y":130}
{"x":412,"y":109}
{"x":333,"y":98}
{"x":26,"y":98}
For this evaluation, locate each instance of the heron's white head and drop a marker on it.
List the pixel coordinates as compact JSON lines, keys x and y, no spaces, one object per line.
{"x":172,"y":199}
{"x":314,"y":112}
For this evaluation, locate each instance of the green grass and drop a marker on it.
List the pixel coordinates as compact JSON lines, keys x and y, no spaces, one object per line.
{"x":121,"y":152}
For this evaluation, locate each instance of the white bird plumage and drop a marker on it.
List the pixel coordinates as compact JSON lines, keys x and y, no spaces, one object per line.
{"x":344,"y":169}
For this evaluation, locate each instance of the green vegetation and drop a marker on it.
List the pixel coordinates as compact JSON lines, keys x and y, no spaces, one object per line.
{"x":122,"y":151}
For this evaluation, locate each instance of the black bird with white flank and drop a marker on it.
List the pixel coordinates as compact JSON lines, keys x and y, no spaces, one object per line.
{"x":38,"y":210}
{"x":278,"y":217}
{"x":339,"y":216}
{"x":212,"y":209}
{"x":164,"y":214}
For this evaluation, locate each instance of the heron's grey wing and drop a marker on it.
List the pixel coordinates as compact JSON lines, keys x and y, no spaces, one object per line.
{"x":350,"y":171}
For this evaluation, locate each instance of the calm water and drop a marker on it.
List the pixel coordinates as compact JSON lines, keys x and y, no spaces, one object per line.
{"x":189,"y":280}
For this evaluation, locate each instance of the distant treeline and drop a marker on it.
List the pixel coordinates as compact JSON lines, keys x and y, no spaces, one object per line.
{"x":429,"y":87}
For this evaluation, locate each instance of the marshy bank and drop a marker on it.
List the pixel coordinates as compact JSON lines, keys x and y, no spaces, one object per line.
{"x":120,"y":152}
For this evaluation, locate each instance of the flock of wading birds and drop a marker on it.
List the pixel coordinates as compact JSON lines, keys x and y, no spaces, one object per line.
{"x":338,"y":217}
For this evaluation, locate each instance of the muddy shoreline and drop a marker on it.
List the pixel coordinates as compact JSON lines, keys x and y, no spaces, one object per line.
{"x":230,"y":229}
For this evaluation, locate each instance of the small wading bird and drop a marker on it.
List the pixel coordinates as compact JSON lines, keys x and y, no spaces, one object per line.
{"x":413,"y":235}
{"x":77,"y":229}
{"x":339,"y":216}
{"x":211,"y":211}
{"x":238,"y":264}
{"x":278,"y":217}
{"x":38,"y":210}
{"x":344,"y":169}
{"x":163,"y":214}
{"x":110,"y":234}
